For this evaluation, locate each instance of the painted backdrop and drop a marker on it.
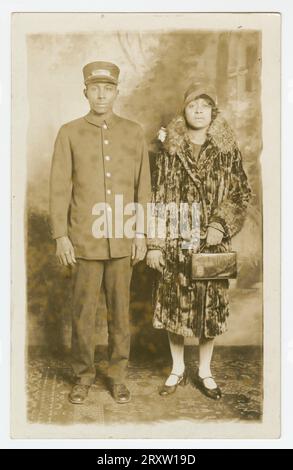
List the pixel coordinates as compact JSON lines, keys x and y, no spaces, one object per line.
{"x":155,"y":68}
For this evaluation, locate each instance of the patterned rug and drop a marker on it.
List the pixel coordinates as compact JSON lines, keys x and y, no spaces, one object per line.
{"x":238,"y":372}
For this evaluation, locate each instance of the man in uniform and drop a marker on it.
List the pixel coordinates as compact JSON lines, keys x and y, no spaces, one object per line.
{"x":96,"y":158}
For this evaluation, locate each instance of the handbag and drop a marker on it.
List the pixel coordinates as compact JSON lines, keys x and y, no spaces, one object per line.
{"x":205,"y":266}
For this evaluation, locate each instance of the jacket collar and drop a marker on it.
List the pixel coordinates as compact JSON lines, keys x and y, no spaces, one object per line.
{"x":110,"y":119}
{"x":219,"y":134}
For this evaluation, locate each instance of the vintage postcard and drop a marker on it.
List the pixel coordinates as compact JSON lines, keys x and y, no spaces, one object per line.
{"x":146,"y":225}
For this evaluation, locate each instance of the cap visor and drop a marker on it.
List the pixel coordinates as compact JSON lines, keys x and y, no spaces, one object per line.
{"x":103,"y":79}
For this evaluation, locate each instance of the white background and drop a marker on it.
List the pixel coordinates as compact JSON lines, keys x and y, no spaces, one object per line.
{"x":286,"y":8}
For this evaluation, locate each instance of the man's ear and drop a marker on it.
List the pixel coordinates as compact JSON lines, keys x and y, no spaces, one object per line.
{"x":85,"y":92}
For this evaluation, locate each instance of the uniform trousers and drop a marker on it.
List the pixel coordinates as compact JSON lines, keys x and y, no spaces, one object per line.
{"x":115,"y":274}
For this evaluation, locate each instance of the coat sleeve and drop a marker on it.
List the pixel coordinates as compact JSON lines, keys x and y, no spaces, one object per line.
{"x":157,"y":222}
{"x":142,"y":185}
{"x":231,"y":212}
{"x":60,"y":184}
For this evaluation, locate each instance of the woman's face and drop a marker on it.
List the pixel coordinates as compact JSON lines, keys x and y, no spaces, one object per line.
{"x":198,"y":113}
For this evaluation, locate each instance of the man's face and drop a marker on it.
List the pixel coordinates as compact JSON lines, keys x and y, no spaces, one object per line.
{"x":198,"y":113}
{"x":101,"y":96}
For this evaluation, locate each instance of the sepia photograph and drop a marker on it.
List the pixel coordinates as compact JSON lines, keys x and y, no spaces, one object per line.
{"x":145,"y":163}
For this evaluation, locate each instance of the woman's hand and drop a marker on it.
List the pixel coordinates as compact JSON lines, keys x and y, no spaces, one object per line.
{"x":155,"y":260}
{"x":214,"y":236}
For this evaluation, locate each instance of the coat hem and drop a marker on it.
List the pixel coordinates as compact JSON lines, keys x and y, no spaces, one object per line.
{"x":185,"y":332}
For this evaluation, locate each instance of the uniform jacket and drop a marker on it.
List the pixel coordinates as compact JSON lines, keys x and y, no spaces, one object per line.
{"x":95,"y":159}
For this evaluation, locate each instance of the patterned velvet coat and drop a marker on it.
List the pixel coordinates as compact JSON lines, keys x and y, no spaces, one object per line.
{"x":217,"y":182}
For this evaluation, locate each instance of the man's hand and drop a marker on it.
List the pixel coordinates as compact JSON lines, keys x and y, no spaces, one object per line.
{"x":65,"y":251}
{"x":214,"y":236}
{"x":138,"y":249}
{"x":155,"y":260}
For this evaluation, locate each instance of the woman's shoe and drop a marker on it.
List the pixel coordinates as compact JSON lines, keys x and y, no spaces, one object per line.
{"x":214,"y":393}
{"x":169,"y":389}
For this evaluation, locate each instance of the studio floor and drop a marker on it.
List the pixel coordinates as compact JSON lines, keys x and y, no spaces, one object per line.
{"x":238,"y":371}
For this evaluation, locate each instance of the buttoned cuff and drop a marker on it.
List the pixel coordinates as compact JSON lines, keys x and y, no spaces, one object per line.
{"x":58,"y":234}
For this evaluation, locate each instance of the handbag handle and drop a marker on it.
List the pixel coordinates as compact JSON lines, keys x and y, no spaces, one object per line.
{"x":205,"y":246}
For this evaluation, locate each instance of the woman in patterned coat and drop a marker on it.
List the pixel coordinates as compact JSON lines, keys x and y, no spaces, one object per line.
{"x":200,"y":162}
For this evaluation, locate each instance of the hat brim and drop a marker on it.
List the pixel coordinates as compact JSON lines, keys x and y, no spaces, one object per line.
{"x":102,"y":79}
{"x":200,"y":94}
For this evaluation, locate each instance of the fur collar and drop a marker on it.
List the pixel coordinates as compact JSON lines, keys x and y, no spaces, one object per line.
{"x":219,"y":135}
